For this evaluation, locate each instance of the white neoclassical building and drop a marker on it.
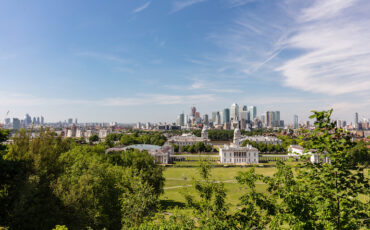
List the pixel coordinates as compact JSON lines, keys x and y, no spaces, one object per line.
{"x":236,"y":154}
{"x":190,"y":139}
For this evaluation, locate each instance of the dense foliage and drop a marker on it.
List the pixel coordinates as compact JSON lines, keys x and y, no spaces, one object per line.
{"x":196,"y":148}
{"x":153,"y":138}
{"x":47,"y":181}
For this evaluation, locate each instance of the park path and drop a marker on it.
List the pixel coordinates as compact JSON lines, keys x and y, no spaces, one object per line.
{"x":189,"y":185}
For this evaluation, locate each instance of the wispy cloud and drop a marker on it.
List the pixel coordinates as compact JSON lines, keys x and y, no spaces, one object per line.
{"x":336,"y":49}
{"x":204,"y":86}
{"x":11,"y":99}
{"x":182,"y":4}
{"x":236,"y":3}
{"x":102,"y":56}
{"x":141,"y":8}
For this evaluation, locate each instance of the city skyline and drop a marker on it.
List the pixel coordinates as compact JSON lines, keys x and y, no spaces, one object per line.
{"x":151,"y":60}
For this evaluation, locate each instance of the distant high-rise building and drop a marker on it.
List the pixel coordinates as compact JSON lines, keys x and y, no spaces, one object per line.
{"x":180,"y":119}
{"x":205,"y":119}
{"x":16,"y":124}
{"x":252,"y":112}
{"x":245,"y":108}
{"x":42,"y":120}
{"x":234,"y":112}
{"x":197,"y":115}
{"x":225,"y":115}
{"x":218,"y":118}
{"x":295,"y":121}
{"x":356,"y":120}
{"x":186,"y":119}
{"x":193,"y":110}
{"x":38,"y":121}
{"x":269,"y":119}
{"x":34,"y":121}
{"x":27,"y":120}
{"x":76,"y":121}
{"x":339,"y":124}
{"x":7,"y":121}
{"x":263,"y":119}
{"x":70,"y":121}
{"x":214,"y":114}
{"x":244,"y":115}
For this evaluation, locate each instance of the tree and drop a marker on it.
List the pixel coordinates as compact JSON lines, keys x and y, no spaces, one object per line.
{"x":93,"y":138}
{"x":138,"y":201}
{"x":211,"y":209}
{"x":317,"y":196}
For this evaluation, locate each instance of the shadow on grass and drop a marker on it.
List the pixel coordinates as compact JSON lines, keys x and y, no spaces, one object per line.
{"x":170,"y":204}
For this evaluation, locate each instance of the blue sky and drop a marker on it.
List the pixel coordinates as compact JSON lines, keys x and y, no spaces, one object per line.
{"x":140,"y":60}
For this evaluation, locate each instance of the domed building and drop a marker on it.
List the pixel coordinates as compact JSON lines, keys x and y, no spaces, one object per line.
{"x":236,"y":154}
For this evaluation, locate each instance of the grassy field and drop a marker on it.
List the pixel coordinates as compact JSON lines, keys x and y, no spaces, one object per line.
{"x":179,"y":180}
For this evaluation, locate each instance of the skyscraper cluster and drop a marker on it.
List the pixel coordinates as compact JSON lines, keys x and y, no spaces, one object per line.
{"x":242,"y":117}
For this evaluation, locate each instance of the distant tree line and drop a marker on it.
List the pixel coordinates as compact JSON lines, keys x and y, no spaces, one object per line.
{"x":196,"y":148}
{"x":265,"y":148}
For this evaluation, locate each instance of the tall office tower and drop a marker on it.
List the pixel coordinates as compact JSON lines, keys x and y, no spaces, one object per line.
{"x":186,"y":119}
{"x":42,"y":120}
{"x":234,"y":112}
{"x":180,"y":119}
{"x":344,"y":124}
{"x":263,"y":119}
{"x":225,"y":115}
{"x":193,"y":110}
{"x":70,"y":121}
{"x":277,"y":115}
{"x":34,"y":121}
{"x":245,"y":108}
{"x":16,"y":123}
{"x":269,"y":119}
{"x":76,"y":121}
{"x":252,"y":112}
{"x":295,"y":121}
{"x":38,"y":120}
{"x":218,"y":118}
{"x":27,"y":119}
{"x":7,"y":121}
{"x":356,"y":120}
{"x":339,"y":124}
{"x":244,"y":115}
{"x":214,"y":114}
{"x":197,"y":115}
{"x":205,"y":119}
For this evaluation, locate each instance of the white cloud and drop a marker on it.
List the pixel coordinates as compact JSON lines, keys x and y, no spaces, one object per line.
{"x":182,"y":4}
{"x":325,"y":9}
{"x":336,"y":49}
{"x":141,"y":8}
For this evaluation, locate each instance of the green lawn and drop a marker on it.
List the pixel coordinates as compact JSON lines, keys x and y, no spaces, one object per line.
{"x":179,"y":180}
